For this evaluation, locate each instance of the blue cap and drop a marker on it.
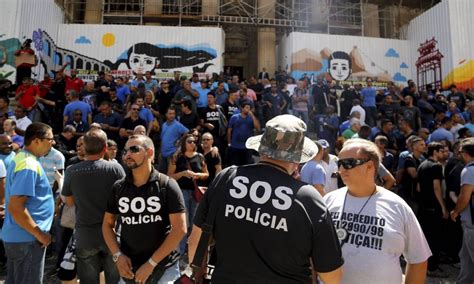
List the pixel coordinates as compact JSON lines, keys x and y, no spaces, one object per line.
{"x":323,"y":143}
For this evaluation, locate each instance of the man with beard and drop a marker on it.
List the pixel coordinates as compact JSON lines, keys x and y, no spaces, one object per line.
{"x":162,"y":215}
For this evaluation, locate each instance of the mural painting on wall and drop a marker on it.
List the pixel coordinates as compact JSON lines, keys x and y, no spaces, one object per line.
{"x":462,"y":75}
{"x":138,"y":58}
{"x":344,"y":67}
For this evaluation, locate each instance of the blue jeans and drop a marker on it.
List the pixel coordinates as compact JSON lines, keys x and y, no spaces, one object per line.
{"x":191,"y":206}
{"x":466,"y":275}
{"x":301,"y":114}
{"x":91,"y":261}
{"x":171,"y":274}
{"x":25,"y":262}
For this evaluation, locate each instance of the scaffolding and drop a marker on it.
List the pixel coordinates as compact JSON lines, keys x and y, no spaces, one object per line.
{"x":351,"y":17}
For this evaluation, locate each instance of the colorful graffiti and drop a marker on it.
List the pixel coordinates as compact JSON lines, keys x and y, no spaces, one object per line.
{"x":140,"y":57}
{"x":342,"y":66}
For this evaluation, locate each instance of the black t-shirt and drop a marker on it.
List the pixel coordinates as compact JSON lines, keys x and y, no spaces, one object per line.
{"x":411,"y":115}
{"x":211,"y":163}
{"x":408,"y":184}
{"x":189,"y":120}
{"x":143,"y":212}
{"x":268,"y":227}
{"x":389,"y":111}
{"x":130,"y":124}
{"x":428,"y":171}
{"x":229,"y":109}
{"x":183,"y":163}
{"x":212,"y":116}
{"x":164,"y":100}
{"x":452,"y":173}
{"x":258,"y":88}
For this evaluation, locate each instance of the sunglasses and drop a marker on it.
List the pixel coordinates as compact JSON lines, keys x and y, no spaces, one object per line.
{"x":190,"y":141}
{"x":131,"y":149}
{"x":351,"y":163}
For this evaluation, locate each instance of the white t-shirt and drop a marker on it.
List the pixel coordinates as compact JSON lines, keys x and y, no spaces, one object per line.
{"x":330,"y":169}
{"x":361,"y":111}
{"x":385,"y":229}
{"x":22,"y":123}
{"x":3,"y":170}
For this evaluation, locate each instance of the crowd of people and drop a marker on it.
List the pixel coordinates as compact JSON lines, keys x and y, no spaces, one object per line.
{"x":98,"y":167}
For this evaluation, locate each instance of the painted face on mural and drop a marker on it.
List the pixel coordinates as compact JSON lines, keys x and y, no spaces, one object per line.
{"x":340,"y":67}
{"x":141,"y":63}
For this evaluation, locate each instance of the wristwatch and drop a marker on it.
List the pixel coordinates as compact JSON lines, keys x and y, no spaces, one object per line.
{"x":116,"y":256}
{"x":152,"y":262}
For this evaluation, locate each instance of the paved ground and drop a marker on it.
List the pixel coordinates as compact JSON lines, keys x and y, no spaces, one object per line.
{"x":453,"y":272}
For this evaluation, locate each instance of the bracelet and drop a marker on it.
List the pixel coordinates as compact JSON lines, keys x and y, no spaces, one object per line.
{"x":152,"y":262}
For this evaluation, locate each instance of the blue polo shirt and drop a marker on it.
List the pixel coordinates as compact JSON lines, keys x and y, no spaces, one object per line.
{"x":202,"y":101}
{"x":170,"y":133}
{"x":25,"y":176}
{"x":85,"y":108}
{"x":313,"y":173}
{"x":242,"y":129}
{"x":122,"y":92}
{"x":146,"y":115}
{"x":368,"y":95}
{"x":441,"y":134}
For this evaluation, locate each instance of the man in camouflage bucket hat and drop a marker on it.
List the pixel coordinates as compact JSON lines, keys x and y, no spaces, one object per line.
{"x":262,"y":217}
{"x":284,"y":139}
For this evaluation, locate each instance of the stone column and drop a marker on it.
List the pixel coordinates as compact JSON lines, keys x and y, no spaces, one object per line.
{"x":210,"y":7}
{"x":153,"y":7}
{"x":93,"y":14}
{"x":266,"y":38}
{"x":370,"y":16}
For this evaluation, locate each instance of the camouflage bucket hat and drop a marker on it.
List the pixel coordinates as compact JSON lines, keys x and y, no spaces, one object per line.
{"x":284,"y":139}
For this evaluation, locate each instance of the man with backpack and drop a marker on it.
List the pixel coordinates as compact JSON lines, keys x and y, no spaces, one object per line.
{"x":150,"y":208}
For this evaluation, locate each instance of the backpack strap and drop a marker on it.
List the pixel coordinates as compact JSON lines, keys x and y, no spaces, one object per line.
{"x":163,"y":180}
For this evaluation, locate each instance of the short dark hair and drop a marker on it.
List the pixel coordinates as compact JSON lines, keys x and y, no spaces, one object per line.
{"x":173,"y":108}
{"x":111,"y":143}
{"x":5,"y":99}
{"x":95,"y":142}
{"x":467,"y":146}
{"x":36,"y":130}
{"x":434,"y":146}
{"x":365,"y":132}
{"x":106,"y":103}
{"x":446,"y":119}
{"x":462,"y":132}
{"x":385,"y":122}
{"x":188,"y":104}
{"x":245,"y":103}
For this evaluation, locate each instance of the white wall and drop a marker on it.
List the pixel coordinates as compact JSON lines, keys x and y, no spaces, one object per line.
{"x":383,"y":59}
{"x":196,"y":47}
{"x":18,"y":20}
